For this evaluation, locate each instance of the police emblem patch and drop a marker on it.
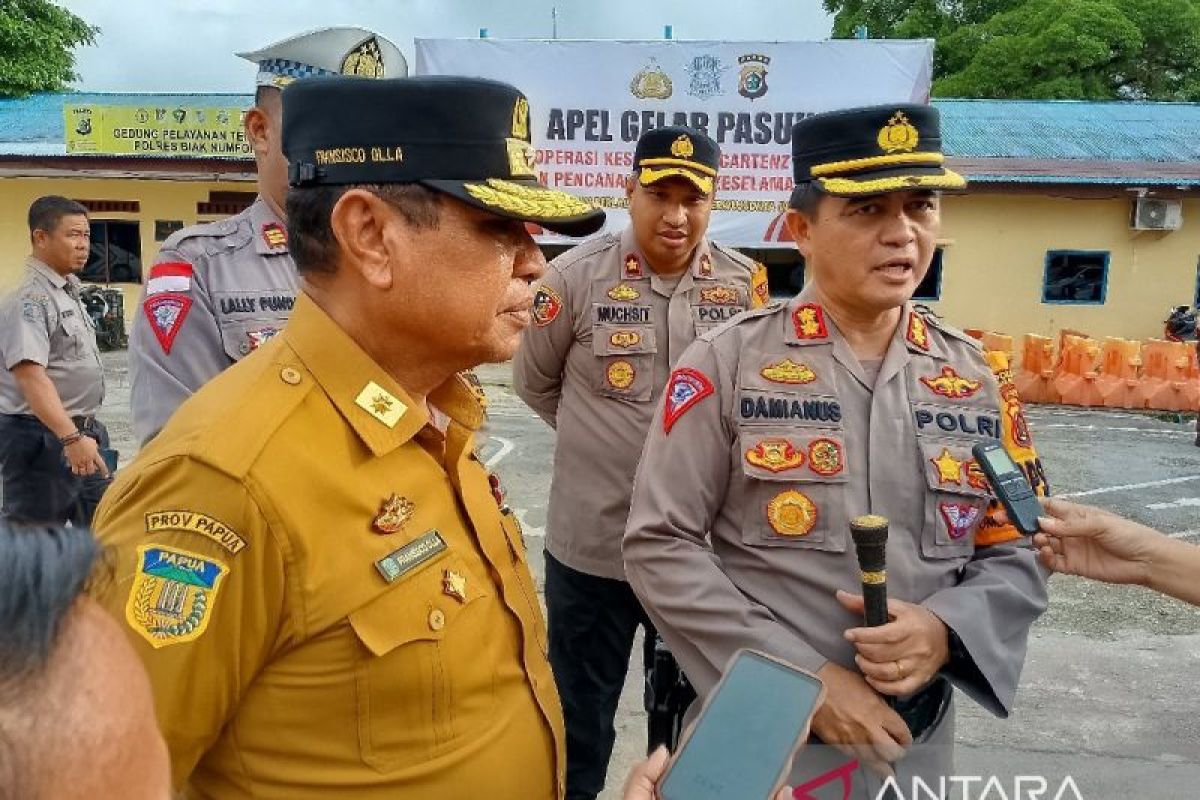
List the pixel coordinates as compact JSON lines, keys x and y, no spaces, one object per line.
{"x":705,"y":74}
{"x":918,"y":332}
{"x":620,"y":374}
{"x":625,"y":339}
{"x":825,"y":457}
{"x":809,"y":322}
{"x":788,"y":372}
{"x":686,"y":388}
{"x":633,"y":266}
{"x":952,"y":385}
{"x":752,"y":79}
{"x":651,"y":83}
{"x":274,"y":235}
{"x":172,"y":595}
{"x":32,"y":311}
{"x":719,"y":296}
{"x":546,"y":306}
{"x":166,"y":313}
{"x":898,"y":136}
{"x":959,"y":518}
{"x":394,"y":514}
{"x":624,"y":293}
{"x":775,"y":455}
{"x":682,"y":147}
{"x":365,"y":60}
{"x":792,"y":513}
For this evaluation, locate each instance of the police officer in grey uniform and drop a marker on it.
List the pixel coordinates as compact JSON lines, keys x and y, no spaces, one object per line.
{"x":219,"y":290}
{"x":610,"y":318}
{"x":52,"y":383}
{"x":778,"y":429}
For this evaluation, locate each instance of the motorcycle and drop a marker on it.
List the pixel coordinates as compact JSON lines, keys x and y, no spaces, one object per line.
{"x":106,"y":307}
{"x":1180,"y":326}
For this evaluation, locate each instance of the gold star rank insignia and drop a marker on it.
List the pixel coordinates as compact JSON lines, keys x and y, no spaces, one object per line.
{"x":380,"y":404}
{"x":454,"y":585}
{"x":948,"y":467}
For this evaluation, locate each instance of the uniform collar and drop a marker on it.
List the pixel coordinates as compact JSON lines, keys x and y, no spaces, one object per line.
{"x":345,"y":372}
{"x":56,"y":280}
{"x":267,"y":228}
{"x":701,"y":267}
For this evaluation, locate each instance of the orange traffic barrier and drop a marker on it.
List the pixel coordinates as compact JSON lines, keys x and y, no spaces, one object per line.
{"x":1035,"y":379}
{"x":1120,"y":365}
{"x":1077,"y":371}
{"x":997,"y":342}
{"x":1165,"y":383}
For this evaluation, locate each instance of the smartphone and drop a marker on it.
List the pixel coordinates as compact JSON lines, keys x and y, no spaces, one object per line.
{"x":1009,"y":483}
{"x":110,"y":457}
{"x":741,"y":745}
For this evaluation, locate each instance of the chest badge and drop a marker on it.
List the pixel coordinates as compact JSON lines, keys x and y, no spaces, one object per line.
{"x":620,"y":374}
{"x":792,"y":513}
{"x":918,"y":332}
{"x":775,"y":455}
{"x":809,"y":322}
{"x":719,"y":296}
{"x":959,"y":517}
{"x":825,"y":457}
{"x":454,"y":585}
{"x":706,"y":270}
{"x":394,"y":514}
{"x":949,"y":468}
{"x":625,"y":339}
{"x":952,"y":385}
{"x":623,"y":293}
{"x":790,"y":372}
{"x":633,"y":267}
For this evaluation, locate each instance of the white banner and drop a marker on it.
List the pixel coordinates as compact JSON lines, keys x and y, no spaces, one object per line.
{"x":590,"y":100}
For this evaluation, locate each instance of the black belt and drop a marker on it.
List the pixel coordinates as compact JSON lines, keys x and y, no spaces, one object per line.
{"x":83,"y":423}
{"x":923,"y":710}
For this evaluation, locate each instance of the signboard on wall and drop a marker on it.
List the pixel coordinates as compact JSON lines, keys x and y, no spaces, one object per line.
{"x":176,"y":132}
{"x":590,"y":100}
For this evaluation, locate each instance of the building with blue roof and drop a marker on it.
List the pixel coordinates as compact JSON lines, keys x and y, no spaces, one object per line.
{"x":1081,"y":215}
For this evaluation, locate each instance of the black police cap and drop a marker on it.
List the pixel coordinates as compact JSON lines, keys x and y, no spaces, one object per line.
{"x":676,"y":151}
{"x":465,"y":137}
{"x":874,"y":150}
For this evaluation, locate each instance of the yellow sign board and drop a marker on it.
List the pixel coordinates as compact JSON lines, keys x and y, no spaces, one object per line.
{"x":177,"y":132}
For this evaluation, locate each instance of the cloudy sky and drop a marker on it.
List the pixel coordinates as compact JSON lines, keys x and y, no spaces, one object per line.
{"x":188,"y":46}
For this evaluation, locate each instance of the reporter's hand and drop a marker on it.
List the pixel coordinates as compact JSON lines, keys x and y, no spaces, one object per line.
{"x":642,"y":780}
{"x":855,"y":720}
{"x":903,"y":656}
{"x":83,"y":457}
{"x":1082,"y":540}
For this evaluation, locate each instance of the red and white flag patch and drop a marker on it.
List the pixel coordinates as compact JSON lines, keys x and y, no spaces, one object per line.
{"x":169,"y":277}
{"x":686,"y":388}
{"x":166,"y":313}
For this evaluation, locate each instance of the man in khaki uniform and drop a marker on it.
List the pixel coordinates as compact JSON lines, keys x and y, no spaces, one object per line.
{"x":777,"y":430}
{"x":610,"y":318}
{"x":52,"y":381}
{"x":218,"y":290}
{"x":309,"y":557}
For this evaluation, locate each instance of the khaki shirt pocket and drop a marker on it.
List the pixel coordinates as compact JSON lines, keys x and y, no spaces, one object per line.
{"x":795,"y":488}
{"x":957,"y":500}
{"x":624,"y":361}
{"x":419,"y":681}
{"x":74,"y":332}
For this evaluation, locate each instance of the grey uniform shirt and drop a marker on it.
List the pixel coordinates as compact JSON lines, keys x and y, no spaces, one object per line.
{"x":44,"y":322}
{"x":738,"y":533}
{"x":606,"y":331}
{"x":215,"y":293}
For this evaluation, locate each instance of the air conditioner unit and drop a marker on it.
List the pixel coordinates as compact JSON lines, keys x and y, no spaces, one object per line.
{"x":1156,"y":214}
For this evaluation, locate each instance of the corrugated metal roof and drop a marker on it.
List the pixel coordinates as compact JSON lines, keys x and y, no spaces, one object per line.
{"x":1067,"y":129}
{"x":1054,"y":130}
{"x":39,"y":117}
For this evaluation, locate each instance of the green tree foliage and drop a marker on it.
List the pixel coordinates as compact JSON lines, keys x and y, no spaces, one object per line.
{"x":1044,"y":49}
{"x":36,"y":43}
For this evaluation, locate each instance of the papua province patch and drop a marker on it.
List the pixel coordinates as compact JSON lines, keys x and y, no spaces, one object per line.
{"x":173,"y":594}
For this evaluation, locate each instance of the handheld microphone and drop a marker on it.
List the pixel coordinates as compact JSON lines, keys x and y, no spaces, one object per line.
{"x":870,"y":534}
